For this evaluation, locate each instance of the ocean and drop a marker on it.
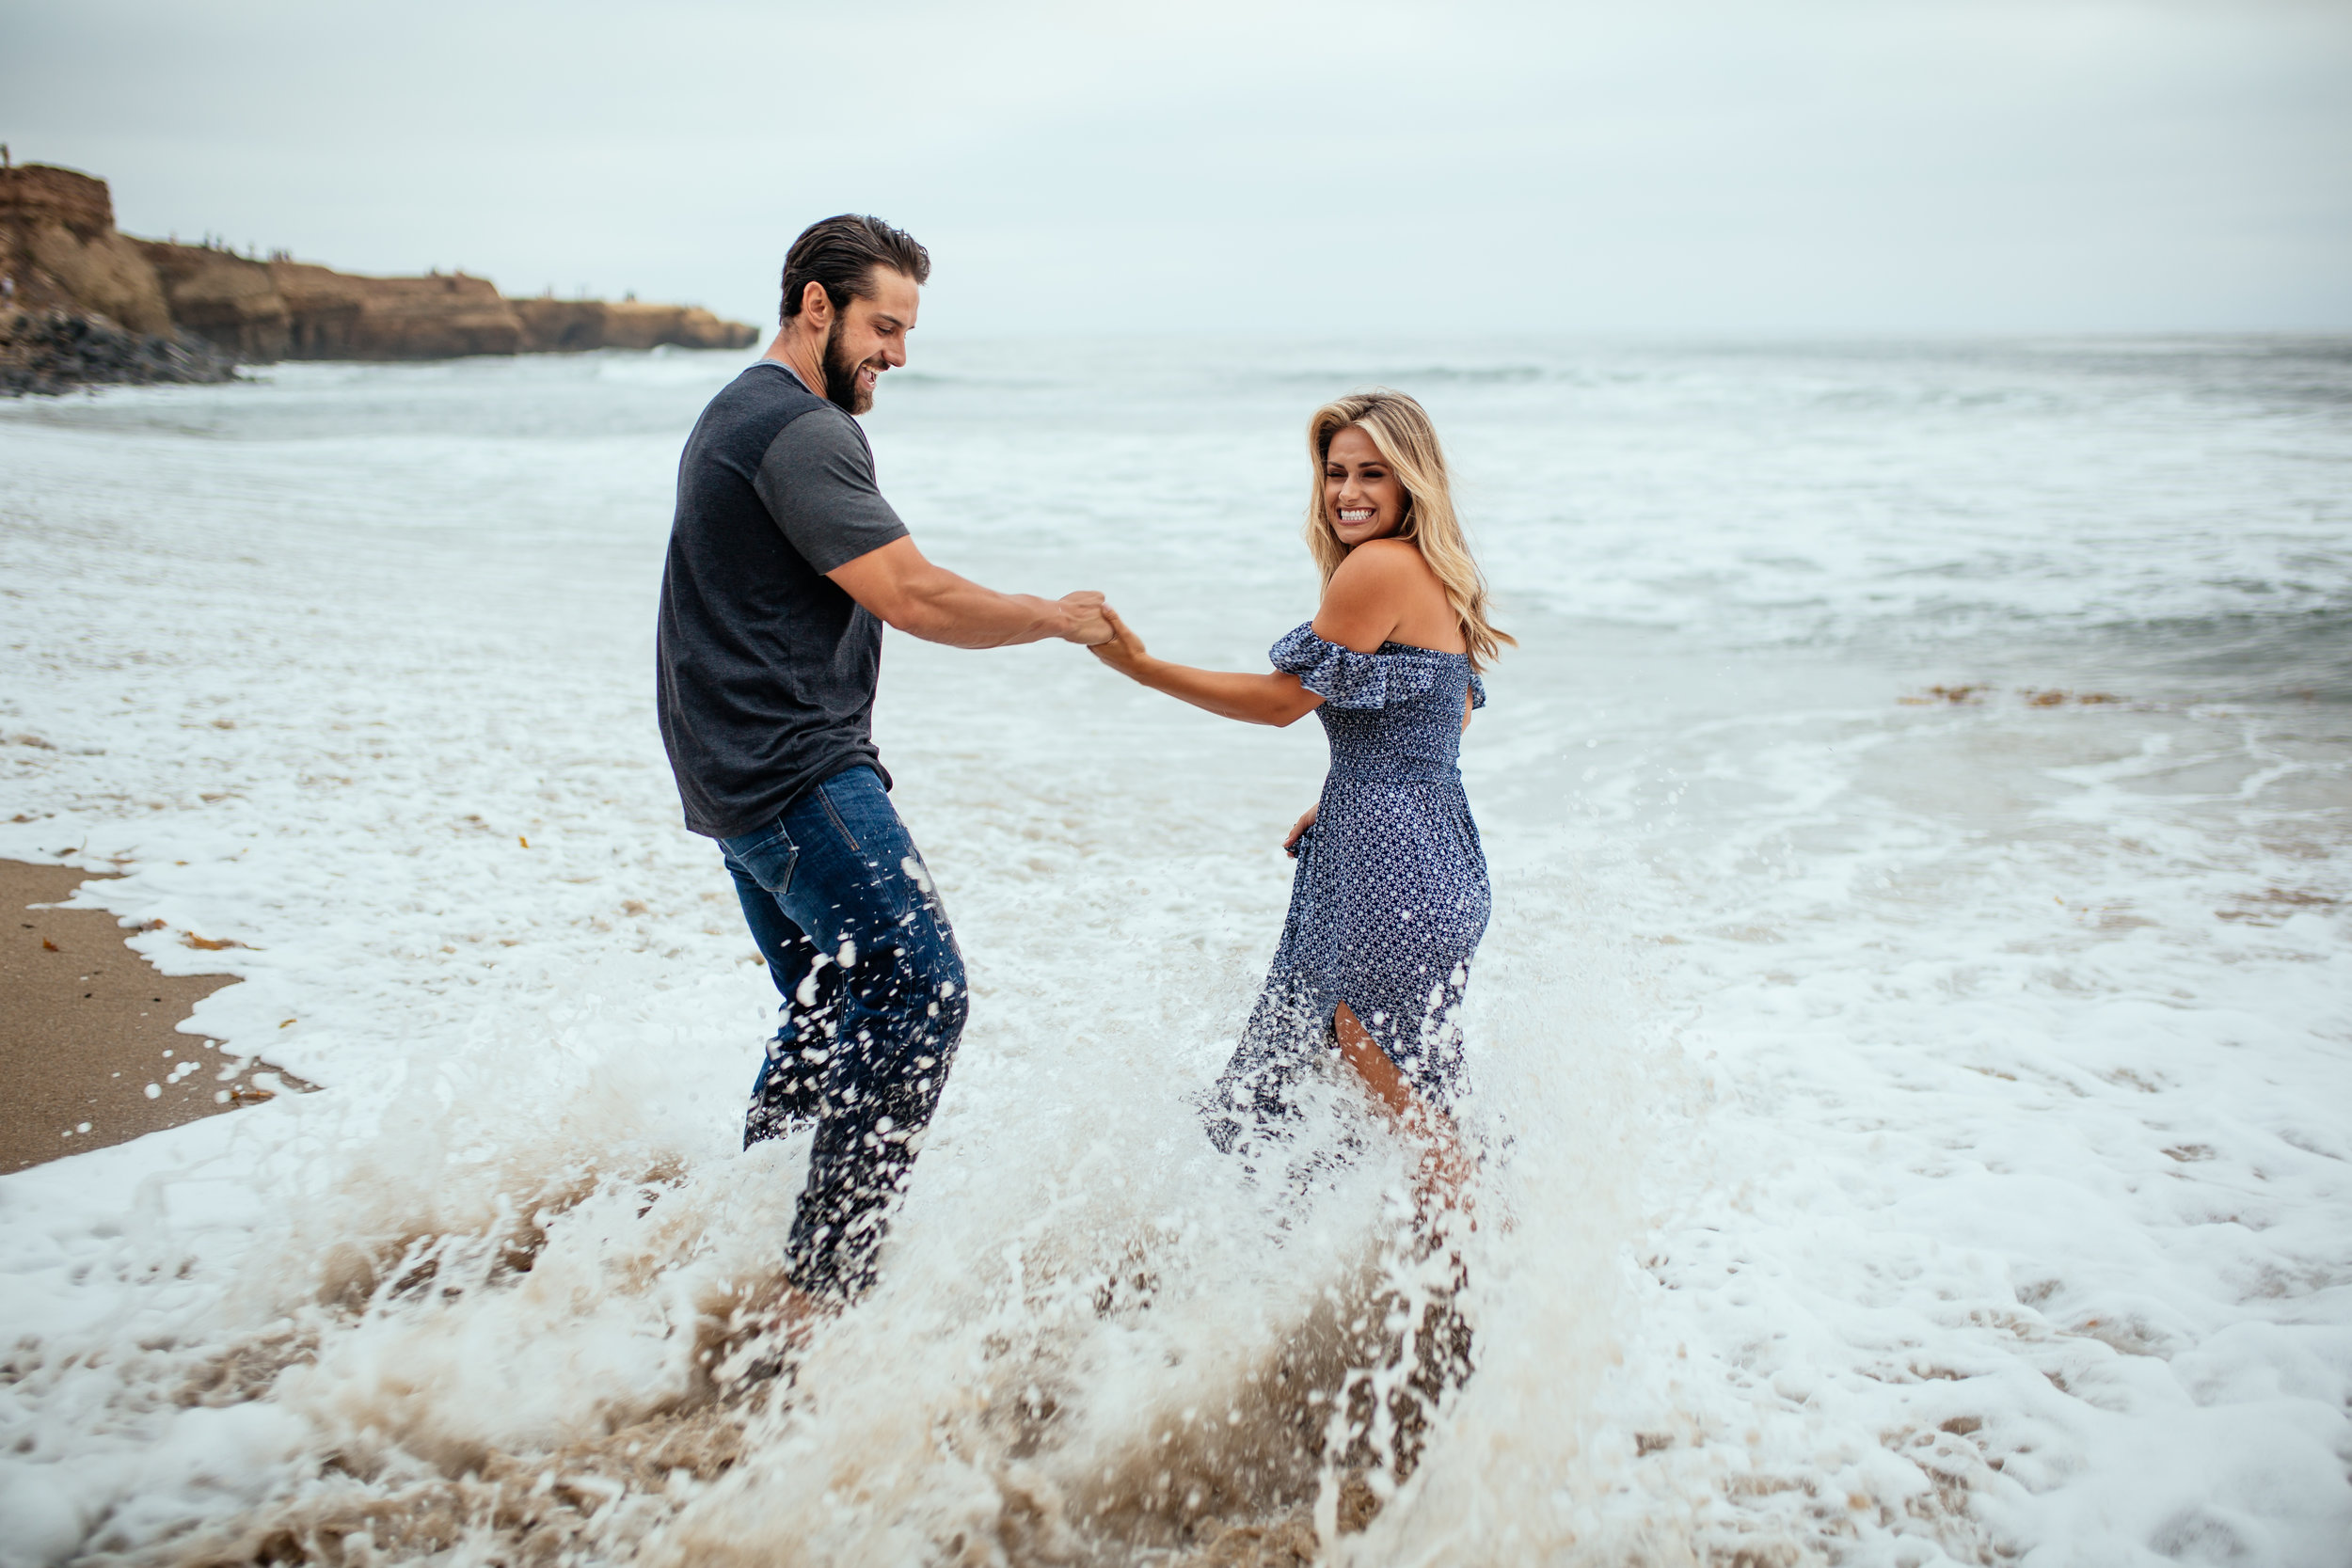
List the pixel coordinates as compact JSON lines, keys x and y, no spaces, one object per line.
{"x":1912,"y":1049}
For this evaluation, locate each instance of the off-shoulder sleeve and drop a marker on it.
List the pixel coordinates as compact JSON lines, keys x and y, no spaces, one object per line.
{"x":1478,"y":691}
{"x":1345,"y":678}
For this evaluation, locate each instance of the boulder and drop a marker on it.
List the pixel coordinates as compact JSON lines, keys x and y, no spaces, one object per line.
{"x":55,"y":351}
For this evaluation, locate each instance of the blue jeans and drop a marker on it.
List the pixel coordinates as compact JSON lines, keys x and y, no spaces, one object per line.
{"x":844,"y":911}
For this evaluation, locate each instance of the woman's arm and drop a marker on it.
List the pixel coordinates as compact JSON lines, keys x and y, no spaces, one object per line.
{"x":1360,"y":611}
{"x":1272,"y":698}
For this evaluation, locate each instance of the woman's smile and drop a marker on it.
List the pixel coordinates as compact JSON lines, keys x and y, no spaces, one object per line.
{"x":1362,"y":494}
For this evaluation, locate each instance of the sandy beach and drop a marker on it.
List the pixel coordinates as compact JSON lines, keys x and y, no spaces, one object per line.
{"x":89,"y":1037}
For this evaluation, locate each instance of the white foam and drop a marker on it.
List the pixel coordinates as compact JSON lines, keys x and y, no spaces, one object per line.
{"x":1926,"y":1124}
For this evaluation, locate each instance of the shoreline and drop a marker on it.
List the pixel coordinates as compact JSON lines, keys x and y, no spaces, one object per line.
{"x":90,"y":1042}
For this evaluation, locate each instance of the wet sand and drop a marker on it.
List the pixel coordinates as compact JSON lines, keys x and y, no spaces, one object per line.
{"x":86,"y":1026}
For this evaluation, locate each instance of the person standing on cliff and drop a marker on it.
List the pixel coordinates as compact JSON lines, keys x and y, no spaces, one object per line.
{"x":785,"y":563}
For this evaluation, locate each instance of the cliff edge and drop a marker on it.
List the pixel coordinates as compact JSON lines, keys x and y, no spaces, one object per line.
{"x":79,"y":304}
{"x":66,"y":270}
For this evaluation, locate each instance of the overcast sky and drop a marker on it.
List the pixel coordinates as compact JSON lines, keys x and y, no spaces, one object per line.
{"x":1767,"y":167}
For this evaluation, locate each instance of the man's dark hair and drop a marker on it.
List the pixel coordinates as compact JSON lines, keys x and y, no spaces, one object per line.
{"x":842,"y":253}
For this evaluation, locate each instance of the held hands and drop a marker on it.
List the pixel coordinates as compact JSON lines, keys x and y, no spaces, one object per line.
{"x":1090,"y":621}
{"x":1122,"y":649}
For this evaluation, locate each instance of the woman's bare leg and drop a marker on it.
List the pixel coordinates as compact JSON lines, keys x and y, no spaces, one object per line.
{"x":1443,"y":1177}
{"x":1439,"y":1347}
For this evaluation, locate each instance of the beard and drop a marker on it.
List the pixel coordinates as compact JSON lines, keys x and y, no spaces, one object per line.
{"x":841,"y":383}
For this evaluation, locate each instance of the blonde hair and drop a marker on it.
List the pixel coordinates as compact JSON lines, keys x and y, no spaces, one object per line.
{"x":1400,"y":429}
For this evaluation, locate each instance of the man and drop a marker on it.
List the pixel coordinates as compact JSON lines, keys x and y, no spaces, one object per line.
{"x":785,"y":563}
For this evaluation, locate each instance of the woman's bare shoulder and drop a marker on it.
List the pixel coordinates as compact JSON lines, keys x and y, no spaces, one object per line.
{"x":1383,"y":583}
{"x":1377,"y":572}
{"x":1389,"y":581}
{"x":1384,"y":563}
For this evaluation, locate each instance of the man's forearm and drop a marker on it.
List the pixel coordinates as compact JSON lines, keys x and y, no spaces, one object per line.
{"x":944,"y":607}
{"x":931,"y":602}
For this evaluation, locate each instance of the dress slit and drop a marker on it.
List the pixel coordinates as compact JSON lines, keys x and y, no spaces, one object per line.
{"x":1389,"y":896}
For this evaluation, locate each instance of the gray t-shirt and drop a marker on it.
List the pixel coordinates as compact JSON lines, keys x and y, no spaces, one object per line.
{"x":767,"y":669}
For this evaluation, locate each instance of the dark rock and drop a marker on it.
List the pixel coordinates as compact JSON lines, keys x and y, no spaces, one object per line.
{"x":49,"y":352}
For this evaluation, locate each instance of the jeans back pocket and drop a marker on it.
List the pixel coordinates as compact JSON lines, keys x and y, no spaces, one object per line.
{"x":767,"y":858}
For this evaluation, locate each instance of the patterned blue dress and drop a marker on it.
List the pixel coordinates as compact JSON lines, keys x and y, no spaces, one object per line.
{"x":1389,"y":896}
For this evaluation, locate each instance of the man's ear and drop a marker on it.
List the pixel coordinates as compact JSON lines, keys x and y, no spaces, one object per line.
{"x":817,"y":304}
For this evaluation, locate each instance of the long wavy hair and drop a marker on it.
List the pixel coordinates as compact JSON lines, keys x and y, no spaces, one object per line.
{"x":1400,"y":428}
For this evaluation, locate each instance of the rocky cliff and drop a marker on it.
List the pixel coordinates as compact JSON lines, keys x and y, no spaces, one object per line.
{"x":58,"y":250}
{"x":566,"y":325}
{"x":61,"y":257}
{"x":263,"y":310}
{"x":79,"y":303}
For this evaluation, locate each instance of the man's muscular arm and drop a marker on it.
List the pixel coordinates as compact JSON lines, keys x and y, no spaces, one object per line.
{"x":924,"y":600}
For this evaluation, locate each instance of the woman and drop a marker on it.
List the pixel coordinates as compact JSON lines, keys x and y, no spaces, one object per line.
{"x":1390,"y":896}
